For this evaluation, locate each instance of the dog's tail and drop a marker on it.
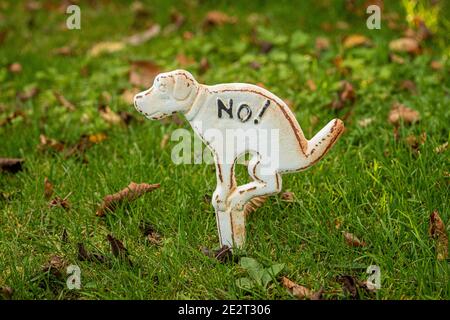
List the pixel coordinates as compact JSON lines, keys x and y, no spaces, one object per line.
{"x":319,"y":145}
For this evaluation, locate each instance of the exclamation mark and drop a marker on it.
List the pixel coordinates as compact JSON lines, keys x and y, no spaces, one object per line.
{"x":261,"y":113}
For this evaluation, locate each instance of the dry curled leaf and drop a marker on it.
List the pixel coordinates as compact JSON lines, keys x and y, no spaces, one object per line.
{"x":400,"y":112}
{"x":322,"y":44}
{"x":408,"y":85}
{"x":415,"y":142}
{"x":183,"y":60}
{"x":150,"y":233}
{"x":6,"y":292}
{"x":363,"y":123}
{"x":109,"y":116}
{"x":218,"y":18}
{"x":300,"y":292}
{"x":352,"y":240}
{"x":63,"y":51}
{"x":12,"y":165}
{"x":355,"y":40}
{"x":254,"y":204}
{"x":142,"y":37}
{"x":436,"y":65}
{"x":438,"y":231}
{"x":48,"y":143}
{"x":164,"y":141}
{"x":106,"y":47}
{"x":203,"y":65}
{"x":56,"y":265}
{"x":64,"y":102}
{"x":346,"y":94}
{"x":441,"y":148}
{"x":15,"y":67}
{"x":142,"y":73}
{"x":311,"y":85}
{"x":404,"y":45}
{"x":48,"y":188}
{"x":60,"y":202}
{"x":396,"y":58}
{"x":287,"y":196}
{"x":28,"y":94}
{"x":130,"y":193}
{"x":84,"y":255}
{"x":9,"y":118}
{"x":349,"y":285}
{"x":118,"y":249}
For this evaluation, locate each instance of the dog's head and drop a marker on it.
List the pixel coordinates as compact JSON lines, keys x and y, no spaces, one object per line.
{"x":171,"y":92}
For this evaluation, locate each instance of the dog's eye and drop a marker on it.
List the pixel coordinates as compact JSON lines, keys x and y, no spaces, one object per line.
{"x":162,"y":87}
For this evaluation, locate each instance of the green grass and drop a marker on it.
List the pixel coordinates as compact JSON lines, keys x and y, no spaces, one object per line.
{"x":376,"y":186}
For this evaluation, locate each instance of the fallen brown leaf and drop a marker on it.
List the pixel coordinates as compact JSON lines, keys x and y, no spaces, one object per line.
{"x":218,"y":18}
{"x":11,"y":117}
{"x":342,"y":25}
{"x":415,"y":142}
{"x":84,"y":255}
{"x":56,"y":265}
{"x":63,"y":51}
{"x":355,"y":40}
{"x":409,"y":86}
{"x":365,"y":122}
{"x":438,"y":231}
{"x":408,"y":45}
{"x":176,"y":21}
{"x":142,"y":37}
{"x":400,"y":112}
{"x":436,"y":65}
{"x":28,"y":94}
{"x":48,"y":143}
{"x":287,"y":196}
{"x":109,"y":116}
{"x":12,"y":165}
{"x":63,"y":101}
{"x":203,"y":66}
{"x":48,"y":188}
{"x":130,"y":193}
{"x":150,"y":233}
{"x":15,"y":67}
{"x":441,"y":148}
{"x":164,"y":141}
{"x":60,"y":202}
{"x":142,"y":73}
{"x":352,"y":240}
{"x":322,"y":44}
{"x":118,"y":249}
{"x":396,"y":58}
{"x":311,"y":85}
{"x":184,"y":60}
{"x":300,"y":292}
{"x":254,"y":204}
{"x":6,"y":292}
{"x":106,"y":47}
{"x":349,"y":285}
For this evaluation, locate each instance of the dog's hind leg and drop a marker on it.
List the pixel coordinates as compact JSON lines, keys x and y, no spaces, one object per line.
{"x":265,"y":181}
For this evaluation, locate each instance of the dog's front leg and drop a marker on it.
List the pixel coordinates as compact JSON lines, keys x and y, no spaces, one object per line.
{"x":225,"y":184}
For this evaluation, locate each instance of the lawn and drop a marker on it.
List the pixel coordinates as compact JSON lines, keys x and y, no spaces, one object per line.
{"x":65,"y":109}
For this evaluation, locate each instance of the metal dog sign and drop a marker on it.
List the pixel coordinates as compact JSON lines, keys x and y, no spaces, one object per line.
{"x":235,"y":119}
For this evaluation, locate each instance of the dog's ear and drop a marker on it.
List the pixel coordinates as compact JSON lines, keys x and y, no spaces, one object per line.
{"x":183,"y":87}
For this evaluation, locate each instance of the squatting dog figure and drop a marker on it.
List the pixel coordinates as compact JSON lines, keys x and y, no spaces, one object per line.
{"x":244,"y":107}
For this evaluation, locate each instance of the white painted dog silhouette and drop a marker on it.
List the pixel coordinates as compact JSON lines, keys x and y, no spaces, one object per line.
{"x":239,"y":108}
